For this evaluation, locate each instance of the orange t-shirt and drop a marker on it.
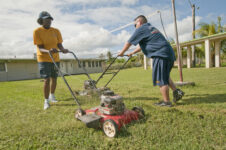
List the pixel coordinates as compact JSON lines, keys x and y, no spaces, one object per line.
{"x":49,"y":38}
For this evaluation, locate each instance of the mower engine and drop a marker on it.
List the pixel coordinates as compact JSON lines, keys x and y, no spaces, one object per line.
{"x":111,"y":104}
{"x":89,"y":84}
{"x":91,"y":89}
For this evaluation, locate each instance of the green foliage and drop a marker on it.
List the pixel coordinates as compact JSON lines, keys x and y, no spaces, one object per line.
{"x":120,"y":60}
{"x":223,"y":46}
{"x":196,"y":122}
{"x":109,"y":56}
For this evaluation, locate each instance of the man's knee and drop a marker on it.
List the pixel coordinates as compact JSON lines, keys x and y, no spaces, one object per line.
{"x":46,"y":81}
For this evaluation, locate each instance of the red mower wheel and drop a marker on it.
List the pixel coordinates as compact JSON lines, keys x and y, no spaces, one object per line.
{"x":79,"y":112}
{"x":140,"y":112}
{"x":110,"y":128}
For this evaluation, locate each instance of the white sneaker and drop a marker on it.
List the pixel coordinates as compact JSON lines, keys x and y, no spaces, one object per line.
{"x":46,"y":104}
{"x":52,"y":98}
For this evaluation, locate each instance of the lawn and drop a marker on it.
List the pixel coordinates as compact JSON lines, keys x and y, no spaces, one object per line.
{"x":196,"y":122}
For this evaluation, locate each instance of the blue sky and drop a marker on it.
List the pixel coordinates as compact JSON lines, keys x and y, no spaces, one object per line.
{"x":85,"y":24}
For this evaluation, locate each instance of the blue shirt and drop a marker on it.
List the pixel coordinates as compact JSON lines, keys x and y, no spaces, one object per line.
{"x":152,"y":42}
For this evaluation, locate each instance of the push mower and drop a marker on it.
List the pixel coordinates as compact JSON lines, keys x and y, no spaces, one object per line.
{"x":110,"y":115}
{"x":90,"y":86}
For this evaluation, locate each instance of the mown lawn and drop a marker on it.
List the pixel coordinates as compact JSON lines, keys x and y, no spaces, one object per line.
{"x":196,"y":122}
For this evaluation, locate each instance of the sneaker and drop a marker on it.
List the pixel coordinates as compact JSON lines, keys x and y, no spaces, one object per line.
{"x":162,"y":103}
{"x":46,"y":104}
{"x":52,"y":99}
{"x":177,"y":95}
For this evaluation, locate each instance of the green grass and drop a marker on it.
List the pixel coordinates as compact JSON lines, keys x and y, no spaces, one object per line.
{"x":196,"y":122}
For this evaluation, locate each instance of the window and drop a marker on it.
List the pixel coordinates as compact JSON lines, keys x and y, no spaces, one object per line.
{"x":2,"y":67}
{"x":93,"y":64}
{"x":89,"y":64}
{"x":84,"y":64}
{"x":100,"y":63}
{"x":96,"y":63}
{"x":79,"y":64}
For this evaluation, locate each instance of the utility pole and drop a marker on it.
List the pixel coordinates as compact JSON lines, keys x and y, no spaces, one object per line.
{"x":177,"y":42}
{"x":193,"y":58}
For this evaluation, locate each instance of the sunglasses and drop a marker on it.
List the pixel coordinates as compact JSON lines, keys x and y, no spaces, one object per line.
{"x":135,"y":25}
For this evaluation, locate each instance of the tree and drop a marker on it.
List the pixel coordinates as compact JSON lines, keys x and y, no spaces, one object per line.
{"x":101,"y":56}
{"x":207,"y":30}
{"x":109,"y":56}
{"x":219,"y":27}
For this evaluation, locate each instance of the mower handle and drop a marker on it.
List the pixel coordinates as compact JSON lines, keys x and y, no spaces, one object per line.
{"x":101,"y":76}
{"x":65,"y":81}
{"x":85,"y":71}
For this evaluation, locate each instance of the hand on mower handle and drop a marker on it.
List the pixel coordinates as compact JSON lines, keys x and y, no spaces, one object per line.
{"x":65,"y":51}
{"x":130,"y":54}
{"x":121,"y":53}
{"x":54,"y":50}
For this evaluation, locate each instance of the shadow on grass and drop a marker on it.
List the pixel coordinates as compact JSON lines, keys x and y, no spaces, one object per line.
{"x":64,"y":105}
{"x":124,"y":129}
{"x":140,"y":98}
{"x":67,"y":99}
{"x":204,"y":99}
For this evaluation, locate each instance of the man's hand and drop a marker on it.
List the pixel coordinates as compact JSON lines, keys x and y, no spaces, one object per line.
{"x":130,"y":54}
{"x":124,"y":49}
{"x":121,"y":53}
{"x":54,"y":50}
{"x":65,"y":50}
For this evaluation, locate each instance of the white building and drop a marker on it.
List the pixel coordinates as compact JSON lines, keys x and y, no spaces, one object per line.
{"x":23,"y":69}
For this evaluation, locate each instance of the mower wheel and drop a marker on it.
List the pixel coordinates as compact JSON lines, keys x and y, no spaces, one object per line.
{"x":140,"y":112}
{"x":79,"y":112}
{"x":110,"y":128}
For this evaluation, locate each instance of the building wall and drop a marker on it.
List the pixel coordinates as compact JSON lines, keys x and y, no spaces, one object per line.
{"x":72,"y":67}
{"x":20,"y":71}
{"x":23,"y":70}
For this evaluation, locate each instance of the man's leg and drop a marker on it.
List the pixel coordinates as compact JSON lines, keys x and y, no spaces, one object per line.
{"x":172,"y":85}
{"x":177,"y":93}
{"x":160,"y":77}
{"x":164,"y":89}
{"x":46,"y":87}
{"x":165,"y":93}
{"x":53,"y":85}
{"x":52,"y":97}
{"x":46,"y":93}
{"x":54,"y":74}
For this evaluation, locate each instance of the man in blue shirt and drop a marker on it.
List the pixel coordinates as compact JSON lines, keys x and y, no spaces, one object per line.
{"x":154,"y":45}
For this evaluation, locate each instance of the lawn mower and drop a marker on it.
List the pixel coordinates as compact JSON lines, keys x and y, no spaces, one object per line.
{"x":110,"y":115}
{"x":90,"y":85}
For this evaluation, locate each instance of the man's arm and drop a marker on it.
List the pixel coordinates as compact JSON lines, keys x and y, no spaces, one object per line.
{"x":62,"y":49}
{"x":42,"y":49}
{"x":138,"y":49}
{"x":53,"y":50}
{"x":125,"y":48}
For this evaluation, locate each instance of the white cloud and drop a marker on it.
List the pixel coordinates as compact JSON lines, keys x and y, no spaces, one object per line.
{"x":184,"y":28}
{"x":84,"y":30}
{"x":129,"y":2}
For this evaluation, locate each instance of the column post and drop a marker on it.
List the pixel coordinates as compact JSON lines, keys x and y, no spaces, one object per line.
{"x":189,"y":57}
{"x":217,"y":53}
{"x":207,"y":53}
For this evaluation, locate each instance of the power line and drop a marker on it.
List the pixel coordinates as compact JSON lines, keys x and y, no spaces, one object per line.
{"x":131,"y":23}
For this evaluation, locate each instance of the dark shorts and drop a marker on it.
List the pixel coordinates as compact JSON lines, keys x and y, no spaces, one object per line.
{"x":48,"y":69}
{"x":161,"y":71}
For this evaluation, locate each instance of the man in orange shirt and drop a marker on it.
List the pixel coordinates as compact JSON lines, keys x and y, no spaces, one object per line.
{"x":48,"y":39}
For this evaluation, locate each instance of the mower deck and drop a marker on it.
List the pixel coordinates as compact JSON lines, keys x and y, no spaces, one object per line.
{"x":93,"y":118}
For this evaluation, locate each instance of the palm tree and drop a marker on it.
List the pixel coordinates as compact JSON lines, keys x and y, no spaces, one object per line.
{"x":207,"y":30}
